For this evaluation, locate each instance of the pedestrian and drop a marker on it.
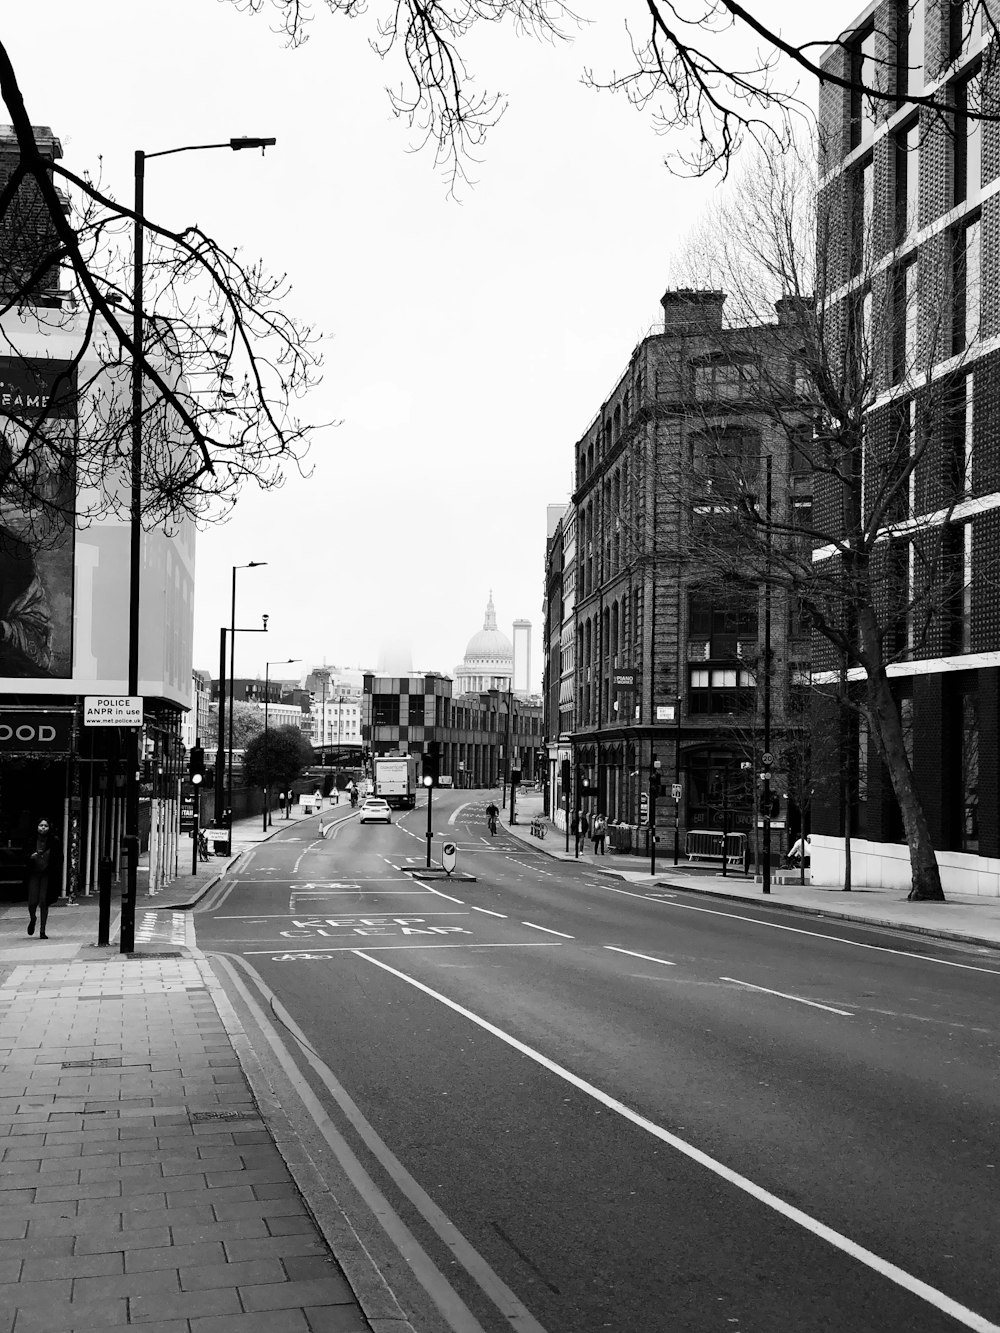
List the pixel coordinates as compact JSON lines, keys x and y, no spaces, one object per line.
{"x":581,"y":827}
{"x":599,"y":832}
{"x":798,"y":852}
{"x":44,"y":865}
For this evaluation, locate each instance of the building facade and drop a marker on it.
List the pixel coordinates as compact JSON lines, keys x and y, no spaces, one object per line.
{"x":489,"y":658}
{"x":65,"y":609}
{"x":914,"y":198}
{"x":482,"y":736}
{"x":666,"y":660}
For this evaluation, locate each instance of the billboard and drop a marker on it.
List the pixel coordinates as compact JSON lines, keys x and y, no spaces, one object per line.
{"x":37,"y":512}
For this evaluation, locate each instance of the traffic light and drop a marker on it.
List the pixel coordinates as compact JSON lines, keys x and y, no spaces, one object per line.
{"x":432,"y":763}
{"x":196,"y":765}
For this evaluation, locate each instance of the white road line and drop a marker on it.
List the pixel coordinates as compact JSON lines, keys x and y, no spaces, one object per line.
{"x":614,"y":948}
{"x":961,"y":1313}
{"x":361,"y":913}
{"x":488,"y":912}
{"x":455,"y":813}
{"x":816,"y":934}
{"x":845,"y":1013}
{"x":381,"y":948}
{"x":547,"y":931}
{"x":439,"y":1288}
{"x":444,"y":895}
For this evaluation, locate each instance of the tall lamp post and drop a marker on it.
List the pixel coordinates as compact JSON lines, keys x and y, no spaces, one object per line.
{"x":131,"y":837}
{"x":224,"y":689}
{"x":254,"y":564}
{"x":281,"y":661}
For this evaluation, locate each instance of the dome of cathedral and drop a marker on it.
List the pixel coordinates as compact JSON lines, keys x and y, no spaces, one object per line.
{"x":489,"y":657}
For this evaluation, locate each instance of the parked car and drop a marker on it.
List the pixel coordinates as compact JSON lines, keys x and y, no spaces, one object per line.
{"x":375,"y":811}
{"x":445,"y":780}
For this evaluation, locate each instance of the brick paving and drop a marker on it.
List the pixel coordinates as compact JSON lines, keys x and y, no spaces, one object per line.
{"x":138,"y":1182}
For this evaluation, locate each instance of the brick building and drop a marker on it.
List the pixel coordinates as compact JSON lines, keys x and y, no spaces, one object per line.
{"x":477,"y":732}
{"x":665,"y":657}
{"x":912,"y":197}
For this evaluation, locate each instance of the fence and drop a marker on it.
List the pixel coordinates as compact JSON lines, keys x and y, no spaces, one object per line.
{"x":706,"y":844}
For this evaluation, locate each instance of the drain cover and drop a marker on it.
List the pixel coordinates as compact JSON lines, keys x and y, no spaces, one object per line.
{"x":196,"y":1117}
{"x":109,"y":1063}
{"x":172,"y":953}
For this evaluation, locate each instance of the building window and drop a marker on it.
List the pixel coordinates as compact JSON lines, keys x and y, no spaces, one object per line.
{"x":386,"y":710}
{"x":727,"y":381}
{"x":864,"y":71}
{"x":910,"y":46}
{"x":968,"y":141}
{"x":961,"y":24}
{"x":721,"y":690}
{"x":966,"y":284}
{"x":970,"y":774}
{"x":905,"y":321}
{"x":863,"y":216}
{"x":907,"y":179}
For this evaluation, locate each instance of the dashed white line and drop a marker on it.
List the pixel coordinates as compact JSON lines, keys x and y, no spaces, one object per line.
{"x":632,"y":954}
{"x":444,"y":895}
{"x":845,"y":1013}
{"x":547,"y":931}
{"x":488,"y":912}
{"x":907,"y":1281}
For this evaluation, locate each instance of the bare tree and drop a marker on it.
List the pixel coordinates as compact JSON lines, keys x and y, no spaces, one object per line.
{"x":710,"y":72}
{"x":872,"y":563}
{"x":223,"y":365}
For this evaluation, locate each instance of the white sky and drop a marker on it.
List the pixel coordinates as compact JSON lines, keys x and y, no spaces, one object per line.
{"x":467,"y":345}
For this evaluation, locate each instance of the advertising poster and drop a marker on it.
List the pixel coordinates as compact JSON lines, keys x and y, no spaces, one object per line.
{"x":37,"y":501}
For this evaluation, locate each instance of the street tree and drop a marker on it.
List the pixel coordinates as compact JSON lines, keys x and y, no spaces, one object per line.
{"x":871,"y":561}
{"x":278,"y":758}
{"x":248,"y":723}
{"x":223,"y":364}
{"x":712,"y":75}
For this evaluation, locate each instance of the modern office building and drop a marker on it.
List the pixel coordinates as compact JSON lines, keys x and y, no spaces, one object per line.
{"x":910,"y":202}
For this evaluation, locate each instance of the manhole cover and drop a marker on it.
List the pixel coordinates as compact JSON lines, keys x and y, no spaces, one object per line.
{"x":112,"y":1062}
{"x":196,"y":1117}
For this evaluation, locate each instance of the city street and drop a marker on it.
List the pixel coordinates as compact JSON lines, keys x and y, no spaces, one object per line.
{"x":577,"y":1104}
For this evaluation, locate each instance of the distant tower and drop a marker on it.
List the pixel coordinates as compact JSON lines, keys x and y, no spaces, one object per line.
{"x":522,"y":656}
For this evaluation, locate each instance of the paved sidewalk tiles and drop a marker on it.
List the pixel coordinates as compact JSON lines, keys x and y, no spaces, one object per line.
{"x":139,"y":1184}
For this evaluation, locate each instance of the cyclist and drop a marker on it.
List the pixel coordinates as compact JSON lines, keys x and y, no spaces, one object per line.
{"x":492,"y":815}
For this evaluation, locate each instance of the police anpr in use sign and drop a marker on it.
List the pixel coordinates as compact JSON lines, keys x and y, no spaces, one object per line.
{"x":112,"y":710}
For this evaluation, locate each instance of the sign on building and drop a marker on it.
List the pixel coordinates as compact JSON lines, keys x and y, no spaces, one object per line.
{"x":112,"y":710}
{"x":35,"y":731}
{"x":624,"y":681}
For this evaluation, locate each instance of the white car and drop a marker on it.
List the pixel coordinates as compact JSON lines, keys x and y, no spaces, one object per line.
{"x":374,"y":810}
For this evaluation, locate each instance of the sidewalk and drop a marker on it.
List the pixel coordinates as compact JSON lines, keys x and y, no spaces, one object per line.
{"x":964,"y":917}
{"x":141,"y":1180}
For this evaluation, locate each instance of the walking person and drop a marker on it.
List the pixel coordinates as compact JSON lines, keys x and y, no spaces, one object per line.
{"x":581,"y":827}
{"x":43,"y":876}
{"x":599,"y":832}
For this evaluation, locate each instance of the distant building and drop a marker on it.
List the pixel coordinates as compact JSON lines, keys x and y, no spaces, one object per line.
{"x":489,"y":659}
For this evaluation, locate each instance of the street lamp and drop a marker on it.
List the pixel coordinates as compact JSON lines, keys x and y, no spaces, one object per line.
{"x":220,"y":758}
{"x":131,"y":838}
{"x":654,"y":790}
{"x":287,"y":661}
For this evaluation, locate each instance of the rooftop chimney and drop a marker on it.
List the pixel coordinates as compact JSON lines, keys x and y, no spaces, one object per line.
{"x":686,"y":310}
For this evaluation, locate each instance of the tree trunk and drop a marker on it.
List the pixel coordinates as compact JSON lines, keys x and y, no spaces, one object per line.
{"x":925,"y":877}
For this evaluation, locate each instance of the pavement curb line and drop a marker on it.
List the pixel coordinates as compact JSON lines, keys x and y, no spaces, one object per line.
{"x":371,"y":1291}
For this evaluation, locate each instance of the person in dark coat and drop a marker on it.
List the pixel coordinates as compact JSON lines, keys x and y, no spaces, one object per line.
{"x":44,"y":865}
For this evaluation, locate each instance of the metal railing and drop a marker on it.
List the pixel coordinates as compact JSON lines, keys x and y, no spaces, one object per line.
{"x":706,"y":844}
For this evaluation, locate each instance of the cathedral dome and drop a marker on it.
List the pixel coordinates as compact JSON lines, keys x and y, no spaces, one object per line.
{"x":490,"y":644}
{"x":489,"y":657}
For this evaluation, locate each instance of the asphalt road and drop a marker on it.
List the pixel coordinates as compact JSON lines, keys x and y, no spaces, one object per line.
{"x":587,"y":1106}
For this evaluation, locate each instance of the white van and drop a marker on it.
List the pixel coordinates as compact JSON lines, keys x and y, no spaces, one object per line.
{"x":446,"y":780}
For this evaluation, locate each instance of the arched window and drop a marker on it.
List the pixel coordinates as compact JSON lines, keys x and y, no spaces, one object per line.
{"x":617,"y":425}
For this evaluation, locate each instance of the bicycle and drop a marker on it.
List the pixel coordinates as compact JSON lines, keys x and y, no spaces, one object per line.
{"x":491,"y":824}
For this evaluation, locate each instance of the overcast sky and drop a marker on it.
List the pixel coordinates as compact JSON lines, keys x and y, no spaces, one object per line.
{"x":467,"y":344}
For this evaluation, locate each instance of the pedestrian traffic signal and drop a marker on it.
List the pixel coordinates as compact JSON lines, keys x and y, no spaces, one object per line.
{"x":196,"y":766}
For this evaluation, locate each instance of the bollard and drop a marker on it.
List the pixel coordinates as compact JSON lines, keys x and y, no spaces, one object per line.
{"x":105,"y":869}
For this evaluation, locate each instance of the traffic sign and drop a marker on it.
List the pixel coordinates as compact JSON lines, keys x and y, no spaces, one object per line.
{"x":643,"y":809}
{"x":675,"y":791}
{"x":115,"y":710}
{"x":767,"y":758}
{"x":449,"y":855}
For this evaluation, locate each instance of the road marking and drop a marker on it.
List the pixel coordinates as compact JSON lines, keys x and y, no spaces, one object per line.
{"x":845,"y":1013}
{"x":546,"y":929}
{"x":297,"y":954}
{"x":444,"y":895}
{"x":488,"y":912}
{"x":614,"y":948}
{"x":914,"y":1285}
{"x":816,"y":934}
{"x":314,"y":916}
{"x":455,"y":813}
